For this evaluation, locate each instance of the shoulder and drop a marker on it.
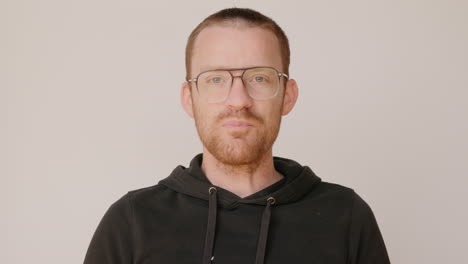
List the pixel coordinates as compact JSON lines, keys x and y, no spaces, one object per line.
{"x":348,"y":201}
{"x":330,"y":190}
{"x":126,"y":203}
{"x":147,"y":194}
{"x":339,"y":197}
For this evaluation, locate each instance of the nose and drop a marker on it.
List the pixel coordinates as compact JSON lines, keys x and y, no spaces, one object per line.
{"x":238,"y":97}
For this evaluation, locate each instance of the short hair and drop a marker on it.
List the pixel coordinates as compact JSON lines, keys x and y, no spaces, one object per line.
{"x":251,"y":18}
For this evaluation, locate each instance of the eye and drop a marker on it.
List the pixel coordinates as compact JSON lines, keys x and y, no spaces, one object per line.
{"x":259,"y":79}
{"x":215,"y":80}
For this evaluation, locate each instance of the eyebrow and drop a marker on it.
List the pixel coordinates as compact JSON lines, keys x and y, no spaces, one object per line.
{"x":224,"y":67}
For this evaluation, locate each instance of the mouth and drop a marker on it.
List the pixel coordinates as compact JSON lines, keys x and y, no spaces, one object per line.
{"x":239,"y":124}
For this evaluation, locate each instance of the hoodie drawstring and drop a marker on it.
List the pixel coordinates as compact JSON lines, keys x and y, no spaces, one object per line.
{"x":211,"y":226}
{"x":262,"y":238}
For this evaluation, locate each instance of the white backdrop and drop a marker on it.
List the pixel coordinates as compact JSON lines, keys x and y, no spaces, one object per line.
{"x":90,"y":110}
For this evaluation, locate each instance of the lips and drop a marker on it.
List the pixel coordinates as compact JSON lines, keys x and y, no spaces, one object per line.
{"x":237,"y":124}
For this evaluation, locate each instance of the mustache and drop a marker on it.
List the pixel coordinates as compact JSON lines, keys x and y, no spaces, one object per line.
{"x":243,"y":114}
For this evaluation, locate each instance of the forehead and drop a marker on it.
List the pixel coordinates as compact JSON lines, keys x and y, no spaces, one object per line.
{"x":225,"y":46}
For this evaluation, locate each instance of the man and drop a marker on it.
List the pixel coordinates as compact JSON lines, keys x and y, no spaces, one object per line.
{"x":236,"y":203}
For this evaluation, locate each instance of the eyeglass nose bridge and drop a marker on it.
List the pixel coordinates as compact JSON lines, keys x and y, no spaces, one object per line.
{"x":241,"y":76}
{"x":237,"y":76}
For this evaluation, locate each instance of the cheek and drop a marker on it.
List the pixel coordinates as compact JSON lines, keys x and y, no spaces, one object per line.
{"x":270,"y":112}
{"x":205,"y":115}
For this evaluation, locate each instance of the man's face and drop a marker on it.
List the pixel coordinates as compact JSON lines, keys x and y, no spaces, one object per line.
{"x":239,"y":130}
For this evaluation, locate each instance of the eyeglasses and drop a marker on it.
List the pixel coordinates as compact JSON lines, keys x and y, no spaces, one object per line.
{"x":262,"y":83}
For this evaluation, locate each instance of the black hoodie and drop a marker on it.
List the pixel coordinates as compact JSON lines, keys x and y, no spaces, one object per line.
{"x":185,"y":219}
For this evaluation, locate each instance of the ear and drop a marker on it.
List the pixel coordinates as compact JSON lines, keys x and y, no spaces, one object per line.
{"x":186,"y":99}
{"x":290,"y":96}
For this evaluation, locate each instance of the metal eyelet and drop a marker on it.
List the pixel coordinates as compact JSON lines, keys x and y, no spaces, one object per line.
{"x":272,"y":199}
{"x":212,"y":189}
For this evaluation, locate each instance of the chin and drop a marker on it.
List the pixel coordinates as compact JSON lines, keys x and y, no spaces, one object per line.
{"x":236,"y":151}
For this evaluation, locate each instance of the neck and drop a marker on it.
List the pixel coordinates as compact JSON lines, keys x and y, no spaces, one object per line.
{"x":242,"y":180}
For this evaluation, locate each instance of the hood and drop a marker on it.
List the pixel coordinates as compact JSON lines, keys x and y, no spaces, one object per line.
{"x":298,"y":180}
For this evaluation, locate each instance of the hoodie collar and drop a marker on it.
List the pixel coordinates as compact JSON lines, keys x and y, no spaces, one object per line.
{"x":298,"y":180}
